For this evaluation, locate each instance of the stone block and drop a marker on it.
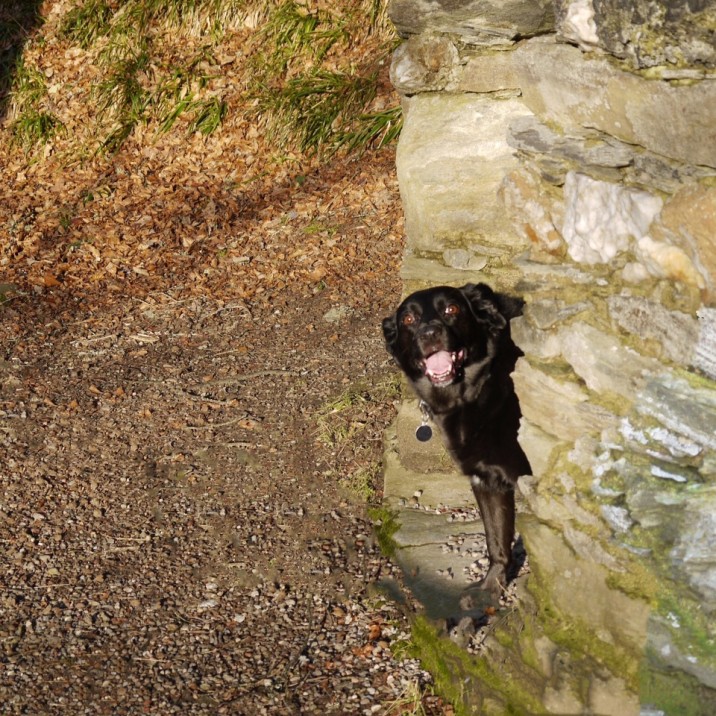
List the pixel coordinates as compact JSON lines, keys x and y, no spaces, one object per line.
{"x":538,"y":446}
{"x":704,"y":357}
{"x":603,"y":363}
{"x":643,"y":32}
{"x":578,"y":589}
{"x":536,"y":214}
{"x":603,"y":219}
{"x":487,"y":72}
{"x":535,"y":342}
{"x":694,"y":553}
{"x":424,"y":63}
{"x":675,"y":332}
{"x":688,"y":221}
{"x":557,"y":407}
{"x":451,"y":159}
{"x":562,"y":85}
{"x":419,"y":456}
{"x":479,"y":22}
{"x":403,"y":486}
{"x":611,"y":697}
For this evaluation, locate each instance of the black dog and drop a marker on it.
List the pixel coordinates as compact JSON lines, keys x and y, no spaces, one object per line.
{"x":454,"y":346}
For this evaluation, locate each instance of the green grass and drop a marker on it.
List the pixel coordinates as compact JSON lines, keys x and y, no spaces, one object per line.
{"x":312,"y":109}
{"x":307,"y":99}
{"x":297,"y":73}
{"x":33,"y":123}
{"x":87,"y":22}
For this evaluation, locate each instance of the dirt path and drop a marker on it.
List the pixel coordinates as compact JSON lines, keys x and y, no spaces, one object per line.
{"x":179,"y":527}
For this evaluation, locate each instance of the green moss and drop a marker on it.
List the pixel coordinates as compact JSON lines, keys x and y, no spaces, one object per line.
{"x":385,"y":523}
{"x":578,"y":639}
{"x":637,"y":582}
{"x":463,"y":679}
{"x":674,"y":692}
{"x":696,"y":633}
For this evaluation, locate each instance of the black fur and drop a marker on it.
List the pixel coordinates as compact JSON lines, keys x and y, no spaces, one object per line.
{"x":471,"y":398}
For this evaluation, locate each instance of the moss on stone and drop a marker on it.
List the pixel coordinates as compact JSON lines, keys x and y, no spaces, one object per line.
{"x":466,"y":680}
{"x":385,"y":523}
{"x":578,"y":639}
{"x":637,"y":582}
{"x":695,"y":634}
{"x":674,"y":692}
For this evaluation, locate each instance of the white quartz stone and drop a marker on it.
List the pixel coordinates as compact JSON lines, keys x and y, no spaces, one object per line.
{"x":603,"y":219}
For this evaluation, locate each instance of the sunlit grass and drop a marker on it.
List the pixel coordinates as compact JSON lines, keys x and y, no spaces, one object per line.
{"x":293,"y":77}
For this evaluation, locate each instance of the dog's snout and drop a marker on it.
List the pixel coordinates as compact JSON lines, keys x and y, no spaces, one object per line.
{"x":430,"y":332}
{"x":431,"y":337}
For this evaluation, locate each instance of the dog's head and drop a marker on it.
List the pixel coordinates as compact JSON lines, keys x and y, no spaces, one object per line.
{"x":438,"y":333}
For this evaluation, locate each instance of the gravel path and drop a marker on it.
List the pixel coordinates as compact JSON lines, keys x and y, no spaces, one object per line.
{"x":176,"y":535}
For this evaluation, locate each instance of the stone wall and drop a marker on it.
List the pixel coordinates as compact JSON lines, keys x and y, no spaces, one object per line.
{"x":568,"y":154}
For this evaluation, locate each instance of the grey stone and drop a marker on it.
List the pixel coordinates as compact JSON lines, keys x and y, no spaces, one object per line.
{"x":561,"y":85}
{"x":584,"y":149}
{"x":659,"y":443}
{"x":617,"y":517}
{"x":423,"y":63}
{"x":603,"y":363}
{"x":419,"y":528}
{"x":685,"y":409}
{"x":538,"y":446}
{"x":611,"y":697}
{"x":484,"y":22}
{"x":546,"y":313}
{"x":652,"y":171}
{"x":403,"y":486}
{"x":533,"y":341}
{"x":418,"y":272}
{"x":688,"y":223}
{"x":492,"y":72}
{"x":647,"y":33}
{"x":694,"y":553}
{"x":674,"y":331}
{"x":579,"y":588}
{"x":705,"y":352}
{"x":559,"y":408}
{"x":419,"y":456}
{"x":464,"y":260}
{"x":661,"y":643}
{"x":337,"y":314}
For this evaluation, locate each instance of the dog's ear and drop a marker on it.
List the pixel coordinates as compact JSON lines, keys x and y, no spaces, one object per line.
{"x":390,"y":332}
{"x":485,"y":304}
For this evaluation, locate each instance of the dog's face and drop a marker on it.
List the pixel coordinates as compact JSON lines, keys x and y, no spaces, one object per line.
{"x":439,"y":333}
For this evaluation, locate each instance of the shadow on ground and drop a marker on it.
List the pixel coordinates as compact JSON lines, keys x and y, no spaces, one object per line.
{"x":18,"y":20}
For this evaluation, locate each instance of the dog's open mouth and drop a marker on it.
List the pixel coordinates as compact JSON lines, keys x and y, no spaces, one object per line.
{"x":441,"y":367}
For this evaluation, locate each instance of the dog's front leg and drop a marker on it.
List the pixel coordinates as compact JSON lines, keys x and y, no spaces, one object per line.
{"x":497,"y":509}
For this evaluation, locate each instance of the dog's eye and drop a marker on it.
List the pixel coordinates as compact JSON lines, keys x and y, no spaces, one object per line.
{"x":452,"y":309}
{"x":408,"y":319}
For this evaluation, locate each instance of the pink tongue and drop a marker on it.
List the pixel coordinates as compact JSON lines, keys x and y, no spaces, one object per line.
{"x":439,"y":363}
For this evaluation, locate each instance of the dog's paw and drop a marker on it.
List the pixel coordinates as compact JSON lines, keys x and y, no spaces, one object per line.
{"x":486,"y":592}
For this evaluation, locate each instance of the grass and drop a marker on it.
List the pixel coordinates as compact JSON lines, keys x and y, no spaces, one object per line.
{"x":312,"y":109}
{"x":292,"y":34}
{"x":306,"y":98}
{"x":300,"y":74}
{"x":87,"y":22}
{"x":33,"y":123}
{"x":409,"y":703}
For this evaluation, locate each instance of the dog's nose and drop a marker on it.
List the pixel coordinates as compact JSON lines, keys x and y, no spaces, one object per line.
{"x":430,"y":332}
